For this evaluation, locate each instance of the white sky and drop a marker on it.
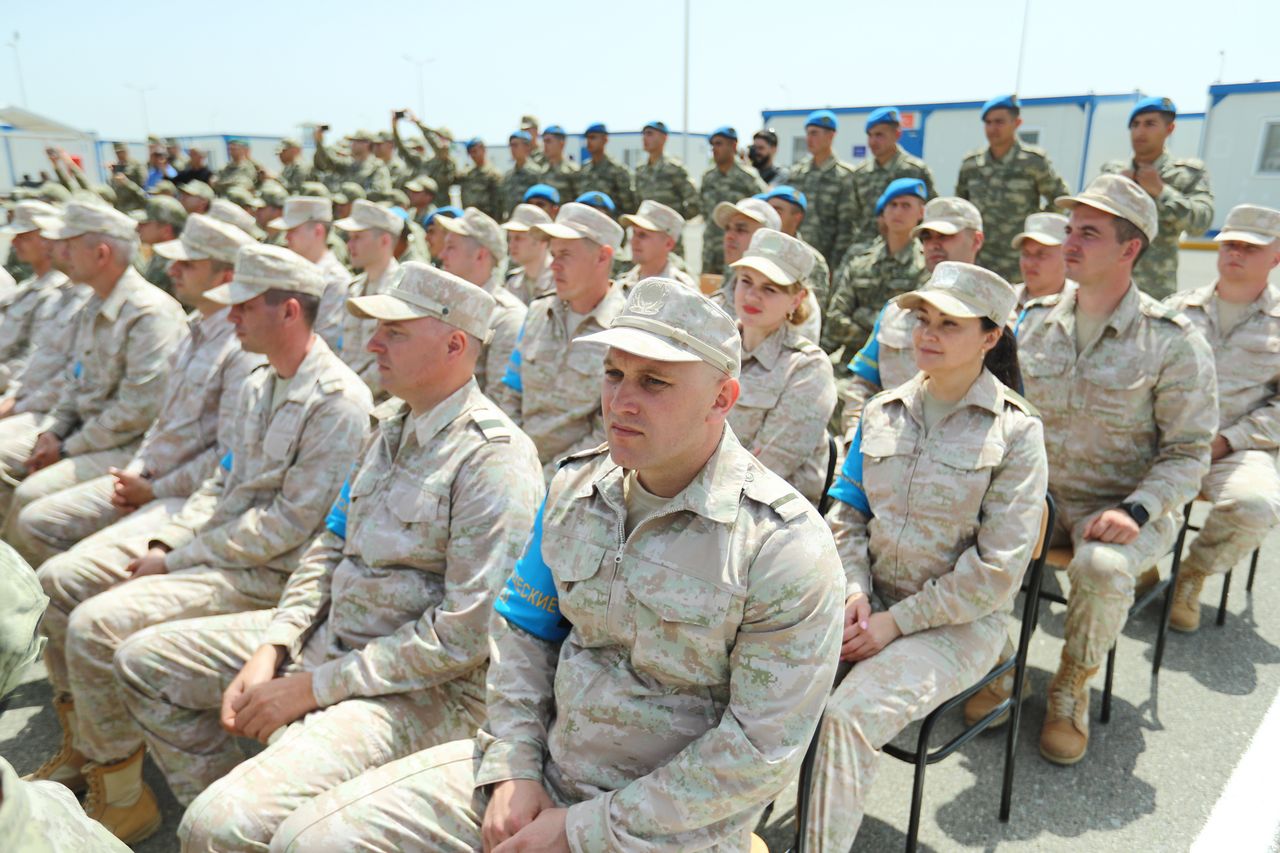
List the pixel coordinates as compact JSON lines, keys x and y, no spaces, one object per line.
{"x":265,"y":67}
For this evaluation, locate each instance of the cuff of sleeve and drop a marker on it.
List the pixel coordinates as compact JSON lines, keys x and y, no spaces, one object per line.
{"x":510,"y":759}
{"x":62,"y":428}
{"x":74,"y":444}
{"x":176,"y":559}
{"x":908,"y":616}
{"x":859,"y":583}
{"x":586,"y":825}
{"x":163,"y":488}
{"x":1237,"y":436}
{"x":328,"y":683}
{"x":1150,"y":503}
{"x":283,"y":633}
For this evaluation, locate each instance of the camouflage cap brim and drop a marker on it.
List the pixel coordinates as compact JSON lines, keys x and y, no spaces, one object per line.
{"x":1234,"y":235}
{"x":235,"y":292}
{"x":767,"y":268}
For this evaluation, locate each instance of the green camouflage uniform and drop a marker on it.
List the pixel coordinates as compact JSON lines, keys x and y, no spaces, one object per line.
{"x":566,"y":177}
{"x":242,"y":174}
{"x":1185,"y":204}
{"x":370,"y":173}
{"x":869,"y":181}
{"x":439,"y":167}
{"x":482,"y":188}
{"x":667,"y":182}
{"x":732,"y":186}
{"x":862,"y":286}
{"x":514,"y":185}
{"x":156,"y":271}
{"x":293,"y":176}
{"x":1005,"y":191}
{"x":609,"y":177}
{"x":399,"y":171}
{"x":828,"y":225}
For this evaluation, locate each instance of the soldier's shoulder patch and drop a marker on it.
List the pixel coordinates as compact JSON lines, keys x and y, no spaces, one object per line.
{"x":513,"y":272}
{"x":765,"y":487}
{"x":1035,"y":151}
{"x":1189,"y":163}
{"x":1021,"y":403}
{"x":1048,"y":301}
{"x":491,"y":425}
{"x":1156,"y":309}
{"x":974,"y":154}
{"x":808,"y":347}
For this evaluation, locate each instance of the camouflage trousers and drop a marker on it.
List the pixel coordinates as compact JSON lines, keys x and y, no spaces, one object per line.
{"x":106,"y":732}
{"x":93,"y":566}
{"x":713,"y":251}
{"x":1000,"y":259}
{"x":877,"y":699}
{"x":52,"y":524}
{"x":1102,"y":577}
{"x":1245,"y":490}
{"x":173,"y":677}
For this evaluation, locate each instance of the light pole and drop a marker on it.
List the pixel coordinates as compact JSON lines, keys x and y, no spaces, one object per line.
{"x":142,"y":96}
{"x":422,"y":89}
{"x":684,"y":147}
{"x":1022,"y":46}
{"x":17,"y":60}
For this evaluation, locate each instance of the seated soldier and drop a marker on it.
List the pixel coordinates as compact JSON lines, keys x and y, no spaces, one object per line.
{"x":1239,"y":314}
{"x":937,"y":511}
{"x":655,"y":231}
{"x":1040,"y":256}
{"x":788,"y":391}
{"x":372,"y":232}
{"x":28,"y":306}
{"x":307,"y":223}
{"x":663,"y":650}
{"x":382,"y":629}
{"x":528,"y":249}
{"x":234,"y":542}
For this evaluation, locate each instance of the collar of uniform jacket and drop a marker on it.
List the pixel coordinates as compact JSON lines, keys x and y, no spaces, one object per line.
{"x":609,"y":307}
{"x":301,"y":383}
{"x":1120,"y":319}
{"x":1266,"y":303}
{"x":714,"y":494}
{"x":770,"y":349}
{"x":986,"y":392}
{"x":427,"y":425}
{"x":129,"y":282}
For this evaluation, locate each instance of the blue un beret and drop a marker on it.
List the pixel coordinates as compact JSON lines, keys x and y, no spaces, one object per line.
{"x":450,"y":212}
{"x":554,"y":130}
{"x":520,"y":134}
{"x":598,"y":200}
{"x":546,"y":191}
{"x":901,"y":186}
{"x":790,"y":194}
{"x":1003,"y":102}
{"x":725,"y":131}
{"x":884,"y":115}
{"x":473,"y":142}
{"x":822,"y":118}
{"x":1153,"y":105}
{"x":598,"y":127}
{"x":659,"y":126}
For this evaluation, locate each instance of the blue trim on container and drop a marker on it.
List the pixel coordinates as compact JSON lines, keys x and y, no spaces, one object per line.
{"x":1190,"y":115}
{"x":8,"y":154}
{"x":1079,"y":100}
{"x":1218,"y":91}
{"x":1088,"y":135}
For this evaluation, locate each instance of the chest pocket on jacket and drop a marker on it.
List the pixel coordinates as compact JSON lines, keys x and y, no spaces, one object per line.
{"x":682,"y":624}
{"x":1119,"y":395}
{"x":282,"y":432}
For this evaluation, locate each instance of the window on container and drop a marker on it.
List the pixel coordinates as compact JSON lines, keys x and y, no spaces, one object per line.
{"x":1269,"y":158}
{"x":1029,"y":135}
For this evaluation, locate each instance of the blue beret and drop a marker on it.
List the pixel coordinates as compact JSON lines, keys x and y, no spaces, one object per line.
{"x":901,"y":186}
{"x":660,"y":126}
{"x":1003,"y":102}
{"x":725,"y":131}
{"x":1153,"y":105}
{"x":473,"y":142}
{"x":554,"y":130}
{"x":598,"y":200}
{"x":884,"y":115}
{"x":598,"y":127}
{"x":790,"y":194}
{"x":401,"y":212}
{"x":822,"y":118}
{"x":449,"y":212}
{"x":546,"y":191}
{"x":520,"y":134}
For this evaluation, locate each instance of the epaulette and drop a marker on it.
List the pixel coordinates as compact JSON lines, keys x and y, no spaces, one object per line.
{"x":492,"y":427}
{"x":1047,"y":301}
{"x":1190,"y":163}
{"x":333,"y":385}
{"x":1020,"y":403}
{"x":583,"y":454}
{"x":974,"y":154}
{"x":808,"y":347}
{"x":513,"y":272}
{"x":1159,"y":311}
{"x":1036,"y":150}
{"x":774,"y":492}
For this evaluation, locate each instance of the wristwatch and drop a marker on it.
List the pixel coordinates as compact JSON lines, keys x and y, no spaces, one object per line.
{"x":1137,"y":512}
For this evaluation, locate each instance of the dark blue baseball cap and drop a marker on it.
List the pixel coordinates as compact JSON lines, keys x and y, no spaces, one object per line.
{"x":598,"y":200}
{"x":660,"y":126}
{"x":884,"y":115}
{"x":544,"y":191}
{"x":822,"y":118}
{"x":520,"y":134}
{"x":1153,"y":105}
{"x":725,"y":131}
{"x":598,"y":127}
{"x":785,"y":193}
{"x":900,"y":187}
{"x":449,"y":212}
{"x":1001,"y":102}
{"x":554,"y":130}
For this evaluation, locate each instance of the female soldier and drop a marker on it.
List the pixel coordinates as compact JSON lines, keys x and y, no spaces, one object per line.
{"x":937,"y":511}
{"x":788,"y":390}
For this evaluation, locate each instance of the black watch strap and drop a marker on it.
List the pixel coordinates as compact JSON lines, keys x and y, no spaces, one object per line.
{"x":1137,"y":512}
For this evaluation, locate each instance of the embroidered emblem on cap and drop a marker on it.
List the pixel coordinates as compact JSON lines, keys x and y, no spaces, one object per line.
{"x":648,"y":298}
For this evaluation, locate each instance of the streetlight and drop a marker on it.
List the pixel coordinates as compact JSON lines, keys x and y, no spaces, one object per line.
{"x":17,"y":60}
{"x":142,"y":96}
{"x":422,"y":97}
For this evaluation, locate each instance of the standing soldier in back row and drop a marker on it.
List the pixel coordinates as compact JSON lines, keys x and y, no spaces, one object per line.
{"x":1179,"y":186}
{"x":604,"y":174}
{"x":728,"y":180}
{"x":872,"y":176}
{"x":1006,"y":181}
{"x":664,"y":179}
{"x":827,"y":183}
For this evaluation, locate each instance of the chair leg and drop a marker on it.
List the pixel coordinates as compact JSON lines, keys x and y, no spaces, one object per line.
{"x":1163,"y":630}
{"x":1011,"y":741}
{"x":1253,"y":569}
{"x":1222,"y":604}
{"x":1106,"y":688}
{"x":917,"y":790}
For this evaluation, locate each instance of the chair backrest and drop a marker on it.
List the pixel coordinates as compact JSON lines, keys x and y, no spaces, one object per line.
{"x":832,"y":457}
{"x":1035,"y":572}
{"x":1045,"y":521}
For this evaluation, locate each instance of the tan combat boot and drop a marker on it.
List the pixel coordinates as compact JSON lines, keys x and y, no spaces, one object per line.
{"x":1065,"y":734}
{"x":1185,"y":613}
{"x":66,"y":765}
{"x":119,"y":799}
{"x":980,"y":704}
{"x":1146,"y":580}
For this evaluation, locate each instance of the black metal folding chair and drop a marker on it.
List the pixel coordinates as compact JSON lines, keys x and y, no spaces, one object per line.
{"x":1226,"y":579}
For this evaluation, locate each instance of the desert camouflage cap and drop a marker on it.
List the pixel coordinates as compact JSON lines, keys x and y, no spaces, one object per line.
{"x":964,"y":290}
{"x":21,"y":607}
{"x":1118,"y":196}
{"x":315,"y":189}
{"x":262,"y":268}
{"x":479,"y":226}
{"x":205,"y":238}
{"x":1251,"y":223}
{"x":166,"y":210}
{"x":352,"y":190}
{"x":165,"y":187}
{"x":299,"y":209}
{"x":425,"y":291}
{"x":656,"y":216}
{"x":197,"y":188}
{"x":272,"y":194}
{"x":949,"y":215}
{"x":365,"y":215}
{"x":242,"y":196}
{"x":668,"y":321}
{"x":780,"y":258}
{"x":422,"y":184}
{"x":577,"y":221}
{"x":22,"y":219}
{"x":79,"y":217}
{"x":1047,"y":229}
{"x":361,"y":135}
{"x":288,"y":142}
{"x":752,"y":208}
{"x":524,"y":217}
{"x":233,"y":214}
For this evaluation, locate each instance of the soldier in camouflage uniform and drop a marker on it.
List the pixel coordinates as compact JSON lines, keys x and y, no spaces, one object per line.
{"x":728,"y":180}
{"x":561,"y":174}
{"x":372,"y":233}
{"x":196,"y":196}
{"x":937,"y":512}
{"x":33,"y":298}
{"x":235,"y":541}
{"x":382,"y":631}
{"x":361,"y":167}
{"x":1041,"y":259}
{"x":523,"y":173}
{"x":529,"y":124}
{"x":827,"y":183}
{"x":551,"y":386}
{"x":604,"y":174}
{"x":1179,"y":186}
{"x":384,"y":148}
{"x":1127,"y":390}
{"x":893,"y":264}
{"x":162,"y":221}
{"x":655,"y":233}
{"x":792,"y":206}
{"x":1239,"y":314}
{"x":482,"y":183}
{"x":664,"y":179}
{"x":293,"y":171}
{"x":1006,"y":181}
{"x":663,"y":650}
{"x":240,"y":170}
{"x":528,"y":250}
{"x":439,"y":166}
{"x":887,"y":163}
{"x":306,"y":224}
{"x":127,"y":166}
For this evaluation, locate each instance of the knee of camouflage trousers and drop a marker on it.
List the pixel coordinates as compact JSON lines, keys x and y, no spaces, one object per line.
{"x":1255,"y":512}
{"x":1102,"y":569}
